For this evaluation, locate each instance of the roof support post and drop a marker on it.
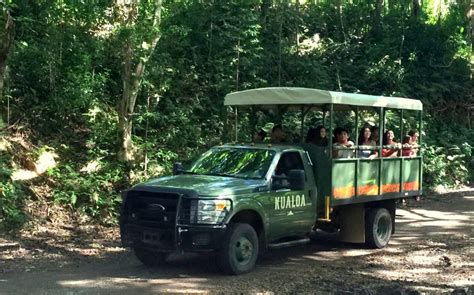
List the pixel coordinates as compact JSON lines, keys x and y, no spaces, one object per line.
{"x":324,"y":115}
{"x":401,"y":152}
{"x":381,"y":131}
{"x":303,"y":113}
{"x":420,"y":151}
{"x":331,"y":120}
{"x":356,"y":127}
{"x":356,"y":182}
{"x":401,"y":125}
{"x":236,"y":124}
{"x":331,"y":123}
{"x":252,"y":122}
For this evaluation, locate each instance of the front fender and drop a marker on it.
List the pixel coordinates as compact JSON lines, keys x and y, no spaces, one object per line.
{"x":249,"y":203}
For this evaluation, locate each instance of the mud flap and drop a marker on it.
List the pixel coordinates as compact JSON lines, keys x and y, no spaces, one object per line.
{"x":352,"y":223}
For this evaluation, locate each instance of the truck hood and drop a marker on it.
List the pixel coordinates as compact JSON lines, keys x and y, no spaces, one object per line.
{"x":206,"y":185}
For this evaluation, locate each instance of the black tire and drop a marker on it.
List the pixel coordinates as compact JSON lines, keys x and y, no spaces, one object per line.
{"x":378,"y":227}
{"x":149,"y":257}
{"x":239,"y":250}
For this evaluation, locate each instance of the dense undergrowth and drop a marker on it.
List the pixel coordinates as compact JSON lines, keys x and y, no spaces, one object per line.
{"x":64,"y":79}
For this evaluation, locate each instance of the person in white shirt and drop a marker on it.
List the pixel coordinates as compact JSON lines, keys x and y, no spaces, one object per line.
{"x":342,"y":147}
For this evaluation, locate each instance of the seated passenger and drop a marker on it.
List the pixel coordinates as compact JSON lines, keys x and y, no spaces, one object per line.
{"x":317,"y":136}
{"x":366,"y":141}
{"x":413,"y":141}
{"x":278,"y":135}
{"x":334,"y":134}
{"x":285,"y":164}
{"x":259,"y":136}
{"x":375,"y":134}
{"x":343,"y":144}
{"x":407,"y":150}
{"x":391,"y":147}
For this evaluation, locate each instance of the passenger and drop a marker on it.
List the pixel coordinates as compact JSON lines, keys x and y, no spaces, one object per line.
{"x":375,"y":134}
{"x":343,"y":144}
{"x":278,"y":135}
{"x":259,"y":136}
{"x":413,"y":141}
{"x":334,"y":134}
{"x":366,"y":141}
{"x":317,"y":136}
{"x":392,"y":147}
{"x":407,"y":150}
{"x":285,"y":164}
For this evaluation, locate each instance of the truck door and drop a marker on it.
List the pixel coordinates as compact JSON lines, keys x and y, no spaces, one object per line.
{"x":291,"y":212}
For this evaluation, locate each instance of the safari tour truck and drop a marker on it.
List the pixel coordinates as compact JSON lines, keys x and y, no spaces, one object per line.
{"x":238,"y":200}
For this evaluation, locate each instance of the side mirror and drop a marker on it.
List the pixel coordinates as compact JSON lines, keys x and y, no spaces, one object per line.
{"x":296,"y":177}
{"x":178,"y":168}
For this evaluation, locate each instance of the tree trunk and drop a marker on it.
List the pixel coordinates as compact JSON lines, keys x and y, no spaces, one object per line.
{"x":132,"y":78}
{"x":416,"y":8}
{"x":6,"y":41}
{"x":264,"y":8}
{"x":377,"y":17}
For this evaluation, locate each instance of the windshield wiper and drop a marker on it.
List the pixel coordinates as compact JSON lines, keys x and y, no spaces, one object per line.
{"x":189,"y":172}
{"x":220,"y":174}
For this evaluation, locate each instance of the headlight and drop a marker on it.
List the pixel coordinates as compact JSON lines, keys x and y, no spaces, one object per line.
{"x":212,"y":211}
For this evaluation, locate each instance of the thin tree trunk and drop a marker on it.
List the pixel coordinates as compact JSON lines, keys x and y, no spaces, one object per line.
{"x":416,"y":8}
{"x":132,"y":78}
{"x":378,"y":17}
{"x":237,"y":70}
{"x":338,"y":4}
{"x":279,"y":50}
{"x":6,"y":41}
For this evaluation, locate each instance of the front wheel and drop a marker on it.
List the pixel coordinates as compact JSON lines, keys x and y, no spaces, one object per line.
{"x":150,"y":258}
{"x":240,"y":249}
{"x":378,"y":227}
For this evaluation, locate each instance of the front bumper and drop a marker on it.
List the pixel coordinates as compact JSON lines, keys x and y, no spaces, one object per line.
{"x":185,"y":238}
{"x":161,"y":219}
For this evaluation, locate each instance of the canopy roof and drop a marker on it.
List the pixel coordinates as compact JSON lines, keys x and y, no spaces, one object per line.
{"x":273,"y":96}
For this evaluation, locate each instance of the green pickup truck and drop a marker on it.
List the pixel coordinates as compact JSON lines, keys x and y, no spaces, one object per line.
{"x":238,"y":200}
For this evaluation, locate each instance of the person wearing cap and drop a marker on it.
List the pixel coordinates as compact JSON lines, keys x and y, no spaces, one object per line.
{"x":342,"y":147}
{"x":261,"y":133}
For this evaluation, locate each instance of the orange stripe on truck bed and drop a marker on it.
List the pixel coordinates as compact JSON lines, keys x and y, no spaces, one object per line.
{"x":372,"y":190}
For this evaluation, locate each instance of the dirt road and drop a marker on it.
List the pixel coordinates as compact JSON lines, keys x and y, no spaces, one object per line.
{"x":432,"y":251}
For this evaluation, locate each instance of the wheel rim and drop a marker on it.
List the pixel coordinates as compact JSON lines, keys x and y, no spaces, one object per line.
{"x":243,"y":250}
{"x":383,"y":229}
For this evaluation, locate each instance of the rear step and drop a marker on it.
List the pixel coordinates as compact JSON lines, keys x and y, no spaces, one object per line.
{"x":289,"y":243}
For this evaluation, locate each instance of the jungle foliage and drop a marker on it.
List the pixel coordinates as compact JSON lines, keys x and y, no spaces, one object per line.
{"x":72,"y":64}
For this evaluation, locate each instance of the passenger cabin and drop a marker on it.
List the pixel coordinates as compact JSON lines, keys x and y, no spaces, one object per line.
{"x":348,"y":180}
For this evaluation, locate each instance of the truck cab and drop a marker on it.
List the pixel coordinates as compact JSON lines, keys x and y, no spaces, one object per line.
{"x":254,"y":194}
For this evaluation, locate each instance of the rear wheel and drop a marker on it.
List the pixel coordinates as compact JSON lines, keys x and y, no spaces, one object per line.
{"x":378,"y":227}
{"x":149,"y":257}
{"x":240,"y":249}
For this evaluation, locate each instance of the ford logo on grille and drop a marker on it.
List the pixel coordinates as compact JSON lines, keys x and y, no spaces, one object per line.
{"x":157,"y":207}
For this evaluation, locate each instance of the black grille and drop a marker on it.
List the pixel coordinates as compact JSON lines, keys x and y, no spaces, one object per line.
{"x":153,"y":209}
{"x":185,"y":214}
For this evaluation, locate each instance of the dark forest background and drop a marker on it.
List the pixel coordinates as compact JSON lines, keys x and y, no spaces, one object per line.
{"x":113,"y":92}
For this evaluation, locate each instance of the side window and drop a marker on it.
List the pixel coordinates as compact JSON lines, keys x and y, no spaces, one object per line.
{"x":289,"y":161}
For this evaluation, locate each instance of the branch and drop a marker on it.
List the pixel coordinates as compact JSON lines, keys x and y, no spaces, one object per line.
{"x":441,"y":66}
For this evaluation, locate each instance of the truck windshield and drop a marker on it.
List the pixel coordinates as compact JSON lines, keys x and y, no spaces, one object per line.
{"x":234,"y":162}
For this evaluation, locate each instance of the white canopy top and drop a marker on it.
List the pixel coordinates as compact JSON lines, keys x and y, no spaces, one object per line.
{"x":272,"y":96}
